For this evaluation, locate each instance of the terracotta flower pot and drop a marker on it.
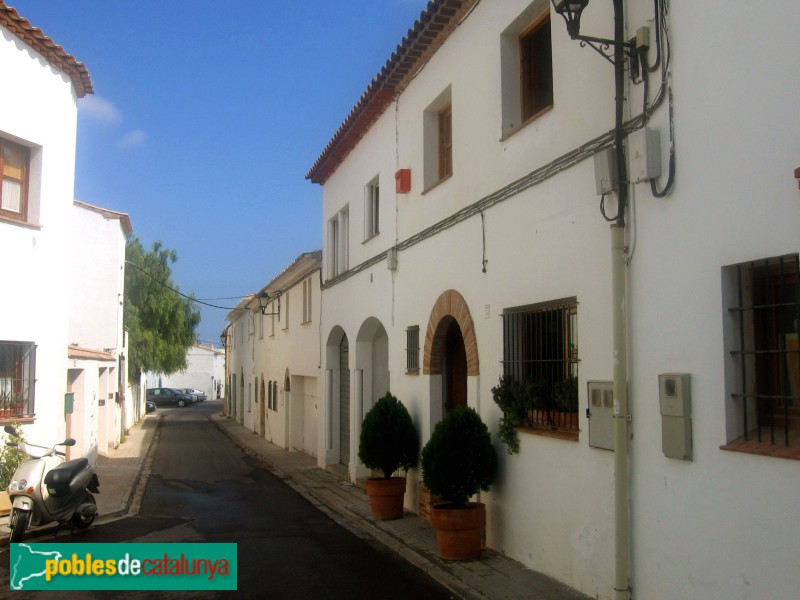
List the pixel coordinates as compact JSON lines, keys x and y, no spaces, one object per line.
{"x":459,"y":531}
{"x":386,"y":497}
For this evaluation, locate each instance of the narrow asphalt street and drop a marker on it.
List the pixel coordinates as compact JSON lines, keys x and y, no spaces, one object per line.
{"x":204,"y":488}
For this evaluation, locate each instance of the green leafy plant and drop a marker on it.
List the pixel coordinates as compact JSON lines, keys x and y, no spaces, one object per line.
{"x":517,"y":400}
{"x":389,"y":441}
{"x":566,"y":394}
{"x":10,"y":458}
{"x":459,"y":459}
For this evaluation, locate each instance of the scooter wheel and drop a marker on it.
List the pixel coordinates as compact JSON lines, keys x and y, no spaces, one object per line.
{"x":19,"y":526}
{"x":82,"y":522}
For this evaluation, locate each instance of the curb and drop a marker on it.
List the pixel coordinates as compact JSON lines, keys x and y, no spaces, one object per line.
{"x":360,"y":526}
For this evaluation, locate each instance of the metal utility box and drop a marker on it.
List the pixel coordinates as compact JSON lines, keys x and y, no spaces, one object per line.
{"x":675,"y":399}
{"x":644,"y":147}
{"x":601,"y":414}
{"x":605,"y":171}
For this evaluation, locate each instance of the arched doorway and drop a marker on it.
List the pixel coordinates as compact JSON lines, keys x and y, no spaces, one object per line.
{"x":451,"y":354}
{"x":454,"y":372}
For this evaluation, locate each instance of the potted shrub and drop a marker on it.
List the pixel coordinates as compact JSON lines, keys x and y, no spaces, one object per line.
{"x":457,"y":462}
{"x":389,"y":442}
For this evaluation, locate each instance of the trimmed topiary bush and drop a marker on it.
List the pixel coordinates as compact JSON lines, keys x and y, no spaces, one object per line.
{"x":389,"y":440}
{"x":459,"y":459}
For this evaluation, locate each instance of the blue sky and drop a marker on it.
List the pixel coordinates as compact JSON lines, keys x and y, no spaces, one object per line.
{"x":208,"y":114}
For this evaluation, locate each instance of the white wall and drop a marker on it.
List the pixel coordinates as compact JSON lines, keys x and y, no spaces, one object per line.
{"x":39,"y":111}
{"x":711,"y":528}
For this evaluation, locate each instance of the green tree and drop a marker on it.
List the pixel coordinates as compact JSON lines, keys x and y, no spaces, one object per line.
{"x":161,"y":322}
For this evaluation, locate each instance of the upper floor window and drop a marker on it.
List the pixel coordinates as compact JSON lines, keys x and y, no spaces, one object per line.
{"x":285,"y":304}
{"x":446,"y":142}
{"x":763,"y":363}
{"x":307,"y":290}
{"x":438,"y":140}
{"x":17,"y":379}
{"x":536,"y":69}
{"x":540,"y":351}
{"x":526,"y":66}
{"x":338,"y":243}
{"x":371,"y":209}
{"x":14,"y":168}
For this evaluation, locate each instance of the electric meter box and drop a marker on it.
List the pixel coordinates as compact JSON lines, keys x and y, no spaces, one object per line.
{"x":675,"y":400}
{"x":601,"y":414}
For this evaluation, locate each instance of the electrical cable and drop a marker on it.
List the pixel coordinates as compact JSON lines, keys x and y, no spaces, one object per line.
{"x":162,"y":284}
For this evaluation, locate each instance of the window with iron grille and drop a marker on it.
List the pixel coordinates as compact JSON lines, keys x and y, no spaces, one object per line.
{"x":17,"y":379}
{"x":763,"y":366}
{"x":540,"y":351}
{"x":412,"y":349}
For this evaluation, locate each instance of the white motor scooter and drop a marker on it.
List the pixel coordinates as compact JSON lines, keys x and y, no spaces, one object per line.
{"x":47,"y":489}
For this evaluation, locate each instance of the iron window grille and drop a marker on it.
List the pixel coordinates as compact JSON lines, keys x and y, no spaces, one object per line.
{"x":412,"y":349}
{"x":765,"y":350}
{"x":17,"y":379}
{"x":540,"y":350}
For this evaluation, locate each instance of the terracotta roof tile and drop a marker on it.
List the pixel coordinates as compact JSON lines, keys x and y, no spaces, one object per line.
{"x":434,"y":25}
{"x":55,"y":54}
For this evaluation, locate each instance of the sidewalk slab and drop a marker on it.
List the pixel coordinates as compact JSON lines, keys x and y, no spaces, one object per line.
{"x":493,"y":576}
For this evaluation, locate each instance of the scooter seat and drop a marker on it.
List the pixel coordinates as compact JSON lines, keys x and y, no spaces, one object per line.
{"x":59,"y":477}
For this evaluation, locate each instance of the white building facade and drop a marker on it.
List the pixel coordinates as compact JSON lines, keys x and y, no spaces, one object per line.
{"x":468,"y":205}
{"x":205,"y":371}
{"x":97,"y":377}
{"x":275,"y":350}
{"x":38,"y":121}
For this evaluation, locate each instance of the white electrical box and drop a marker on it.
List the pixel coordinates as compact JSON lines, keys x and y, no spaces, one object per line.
{"x":605,"y":171}
{"x":601,"y":414}
{"x":644,"y":148}
{"x":675,"y":400}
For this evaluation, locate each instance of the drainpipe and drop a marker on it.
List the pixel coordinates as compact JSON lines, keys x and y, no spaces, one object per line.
{"x":622,"y":529}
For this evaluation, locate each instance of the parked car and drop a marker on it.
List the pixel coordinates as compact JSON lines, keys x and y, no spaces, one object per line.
{"x":168,"y":396}
{"x":198,"y":395}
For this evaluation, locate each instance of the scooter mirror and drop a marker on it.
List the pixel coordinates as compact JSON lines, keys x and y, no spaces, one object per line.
{"x":69,"y":442}
{"x":10,"y":429}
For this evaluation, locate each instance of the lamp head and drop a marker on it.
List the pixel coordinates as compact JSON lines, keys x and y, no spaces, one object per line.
{"x":571,"y":11}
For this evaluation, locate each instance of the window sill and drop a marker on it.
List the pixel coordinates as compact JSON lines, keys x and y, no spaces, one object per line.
{"x":525,"y":123}
{"x":25,"y":224}
{"x":436,"y":184}
{"x":22,"y":420}
{"x":570,"y":435}
{"x":763,"y":448}
{"x":371,"y":237}
{"x":412,"y":371}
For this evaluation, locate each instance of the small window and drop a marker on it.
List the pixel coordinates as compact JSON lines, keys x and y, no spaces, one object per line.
{"x":14,"y":168}
{"x":540,"y":351}
{"x":269,"y":395}
{"x":763,"y":362}
{"x":338,"y":243}
{"x":371,"y":210}
{"x":17,"y":379}
{"x":285,"y":304}
{"x":438,"y":140}
{"x":307,"y":289}
{"x":275,"y":395}
{"x":536,"y":69}
{"x":445,"y":142}
{"x":412,"y":349}
{"x":526,"y":68}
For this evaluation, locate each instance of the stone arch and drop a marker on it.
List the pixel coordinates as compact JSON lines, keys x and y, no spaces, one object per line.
{"x":450,"y":305}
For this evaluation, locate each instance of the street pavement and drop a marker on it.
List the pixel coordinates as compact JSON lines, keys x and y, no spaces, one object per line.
{"x":124,"y":472}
